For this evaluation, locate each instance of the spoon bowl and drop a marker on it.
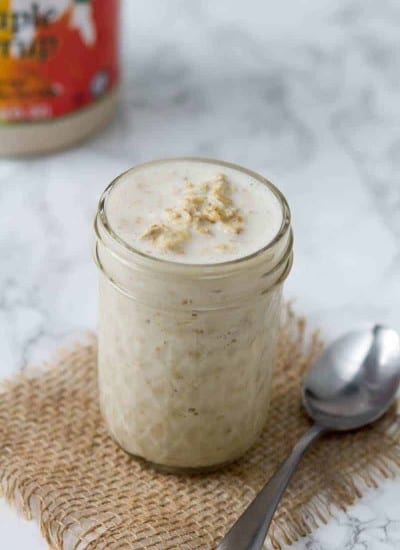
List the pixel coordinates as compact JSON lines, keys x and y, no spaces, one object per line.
{"x":355,"y":380}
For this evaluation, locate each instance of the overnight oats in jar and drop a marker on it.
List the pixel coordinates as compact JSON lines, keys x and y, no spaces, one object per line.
{"x":192,"y":255}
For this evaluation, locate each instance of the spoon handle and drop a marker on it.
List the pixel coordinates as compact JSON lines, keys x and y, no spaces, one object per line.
{"x":250,"y":530}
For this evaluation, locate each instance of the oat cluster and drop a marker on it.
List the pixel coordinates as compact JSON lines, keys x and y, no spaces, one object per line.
{"x":201,"y":207}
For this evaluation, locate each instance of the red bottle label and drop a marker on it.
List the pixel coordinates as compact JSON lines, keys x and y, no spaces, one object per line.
{"x":56,"y":56}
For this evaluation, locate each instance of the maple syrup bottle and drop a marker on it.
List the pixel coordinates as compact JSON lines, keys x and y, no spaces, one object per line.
{"x":59,"y":72}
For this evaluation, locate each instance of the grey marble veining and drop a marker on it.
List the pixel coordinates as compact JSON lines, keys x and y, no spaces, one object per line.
{"x":305,"y":92}
{"x":373,"y":523}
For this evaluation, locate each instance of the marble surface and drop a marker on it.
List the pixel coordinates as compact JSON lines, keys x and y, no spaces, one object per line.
{"x":306,"y":93}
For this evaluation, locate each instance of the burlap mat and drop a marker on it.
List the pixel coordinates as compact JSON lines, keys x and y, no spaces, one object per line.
{"x":59,"y":465}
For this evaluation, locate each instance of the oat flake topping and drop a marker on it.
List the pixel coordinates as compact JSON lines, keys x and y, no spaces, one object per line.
{"x":202,"y":206}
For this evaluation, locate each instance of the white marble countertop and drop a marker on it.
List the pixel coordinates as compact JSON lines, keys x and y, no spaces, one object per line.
{"x":305,"y":92}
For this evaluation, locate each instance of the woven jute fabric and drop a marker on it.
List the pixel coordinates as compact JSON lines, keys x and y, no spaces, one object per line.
{"x":59,"y":465}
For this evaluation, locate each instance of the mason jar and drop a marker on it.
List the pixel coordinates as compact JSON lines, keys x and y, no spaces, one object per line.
{"x":186,"y":352}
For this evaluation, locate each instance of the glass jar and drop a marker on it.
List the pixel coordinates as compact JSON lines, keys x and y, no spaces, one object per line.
{"x":186,"y":352}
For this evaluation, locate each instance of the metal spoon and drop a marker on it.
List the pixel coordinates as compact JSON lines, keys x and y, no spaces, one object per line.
{"x":352,"y":384}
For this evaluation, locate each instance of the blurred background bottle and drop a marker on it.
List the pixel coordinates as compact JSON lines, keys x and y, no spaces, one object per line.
{"x":59,"y":71}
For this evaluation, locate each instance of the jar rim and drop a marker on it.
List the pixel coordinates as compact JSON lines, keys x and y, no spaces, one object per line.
{"x":180,"y":266}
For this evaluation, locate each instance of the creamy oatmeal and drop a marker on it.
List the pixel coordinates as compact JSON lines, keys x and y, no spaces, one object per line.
{"x":187,"y":344}
{"x":191,"y":212}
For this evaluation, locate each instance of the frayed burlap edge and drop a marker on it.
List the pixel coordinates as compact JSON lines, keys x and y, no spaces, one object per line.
{"x":352,"y":463}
